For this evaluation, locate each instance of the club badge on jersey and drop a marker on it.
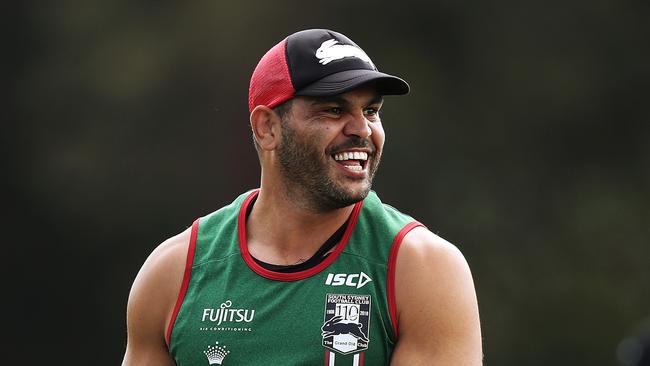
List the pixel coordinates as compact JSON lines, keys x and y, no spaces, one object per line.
{"x":346,"y":325}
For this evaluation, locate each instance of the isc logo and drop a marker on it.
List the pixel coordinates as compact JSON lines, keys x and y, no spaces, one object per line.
{"x":357,"y":280}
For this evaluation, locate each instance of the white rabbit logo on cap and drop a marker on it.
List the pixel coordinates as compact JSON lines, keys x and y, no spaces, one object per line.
{"x":330,"y":50}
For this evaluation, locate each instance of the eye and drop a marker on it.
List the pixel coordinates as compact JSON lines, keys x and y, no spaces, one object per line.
{"x":371,"y":112}
{"x":334,"y":110}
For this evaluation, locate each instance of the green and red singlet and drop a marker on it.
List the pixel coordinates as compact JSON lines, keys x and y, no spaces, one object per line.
{"x":232,"y":311}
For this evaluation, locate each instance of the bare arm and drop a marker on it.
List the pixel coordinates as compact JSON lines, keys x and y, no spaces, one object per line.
{"x":438,"y":320}
{"x":151,"y":303}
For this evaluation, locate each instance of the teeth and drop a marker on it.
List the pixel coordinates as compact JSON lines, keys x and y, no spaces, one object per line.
{"x":354,"y":167}
{"x":356,"y":155}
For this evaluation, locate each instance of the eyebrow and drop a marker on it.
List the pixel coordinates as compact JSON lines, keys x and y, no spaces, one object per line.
{"x":337,"y":99}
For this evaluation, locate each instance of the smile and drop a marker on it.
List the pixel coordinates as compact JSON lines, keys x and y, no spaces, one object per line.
{"x":352,"y":160}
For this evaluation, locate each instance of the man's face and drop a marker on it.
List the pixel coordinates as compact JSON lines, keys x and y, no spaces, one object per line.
{"x":331,"y":147}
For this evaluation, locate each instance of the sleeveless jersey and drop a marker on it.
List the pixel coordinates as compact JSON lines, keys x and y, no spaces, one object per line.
{"x":232,"y":311}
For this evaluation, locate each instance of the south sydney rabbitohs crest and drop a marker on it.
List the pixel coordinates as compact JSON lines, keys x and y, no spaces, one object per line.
{"x":346,"y":327}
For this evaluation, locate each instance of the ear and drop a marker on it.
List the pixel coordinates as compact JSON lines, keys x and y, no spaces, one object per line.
{"x":265,"y":124}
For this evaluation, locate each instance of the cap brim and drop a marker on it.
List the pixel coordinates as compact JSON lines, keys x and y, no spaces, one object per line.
{"x":344,"y":81}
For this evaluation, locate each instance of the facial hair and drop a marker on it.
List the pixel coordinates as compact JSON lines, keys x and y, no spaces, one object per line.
{"x":307,"y":171}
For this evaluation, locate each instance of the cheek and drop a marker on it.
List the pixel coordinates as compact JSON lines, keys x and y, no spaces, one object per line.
{"x":378,"y":136}
{"x":316,"y":141}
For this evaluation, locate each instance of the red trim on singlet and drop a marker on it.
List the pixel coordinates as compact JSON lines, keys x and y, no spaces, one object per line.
{"x":327,"y":357}
{"x":293,"y":276}
{"x":362,"y":356}
{"x":392,"y":259}
{"x":186,"y":280}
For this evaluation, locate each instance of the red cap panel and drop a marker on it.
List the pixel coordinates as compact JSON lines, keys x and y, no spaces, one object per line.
{"x":271,"y":82}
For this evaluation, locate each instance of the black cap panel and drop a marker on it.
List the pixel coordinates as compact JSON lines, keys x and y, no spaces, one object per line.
{"x":317,"y":53}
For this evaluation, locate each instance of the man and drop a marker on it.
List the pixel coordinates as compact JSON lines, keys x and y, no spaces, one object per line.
{"x":310,"y":269}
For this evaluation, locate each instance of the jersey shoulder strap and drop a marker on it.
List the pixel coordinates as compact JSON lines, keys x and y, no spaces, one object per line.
{"x":217,"y":233}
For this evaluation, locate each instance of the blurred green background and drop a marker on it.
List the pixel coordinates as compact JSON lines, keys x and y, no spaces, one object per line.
{"x":525,"y":141}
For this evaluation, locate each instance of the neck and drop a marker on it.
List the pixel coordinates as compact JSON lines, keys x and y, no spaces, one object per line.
{"x":282,"y":231}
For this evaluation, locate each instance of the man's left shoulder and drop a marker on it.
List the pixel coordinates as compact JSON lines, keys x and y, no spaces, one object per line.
{"x":420,"y":245}
{"x":422,"y":239}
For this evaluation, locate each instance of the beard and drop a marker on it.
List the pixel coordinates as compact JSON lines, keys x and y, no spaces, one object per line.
{"x":307,"y":172}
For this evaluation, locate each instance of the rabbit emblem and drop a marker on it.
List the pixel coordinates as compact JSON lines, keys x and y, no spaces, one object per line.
{"x":331,"y":50}
{"x":334,"y":326}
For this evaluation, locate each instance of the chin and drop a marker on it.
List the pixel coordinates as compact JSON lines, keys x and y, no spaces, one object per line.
{"x":361,"y":192}
{"x":346,"y":196}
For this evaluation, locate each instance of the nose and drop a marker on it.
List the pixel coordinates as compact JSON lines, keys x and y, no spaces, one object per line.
{"x":358,"y":125}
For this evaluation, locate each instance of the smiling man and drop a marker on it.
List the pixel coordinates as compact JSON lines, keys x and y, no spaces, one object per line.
{"x":311,"y":268}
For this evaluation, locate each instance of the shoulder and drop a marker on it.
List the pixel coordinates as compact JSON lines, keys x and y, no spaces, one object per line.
{"x":428,"y":250}
{"x":152,"y":300}
{"x":437,"y":310}
{"x":157,"y":285}
{"x":430,"y":268}
{"x":170,"y":253}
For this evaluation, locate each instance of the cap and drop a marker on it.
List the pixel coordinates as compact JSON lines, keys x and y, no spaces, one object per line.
{"x":315,"y":62}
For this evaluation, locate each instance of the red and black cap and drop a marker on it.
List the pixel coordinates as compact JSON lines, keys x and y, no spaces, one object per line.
{"x":316,"y":62}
